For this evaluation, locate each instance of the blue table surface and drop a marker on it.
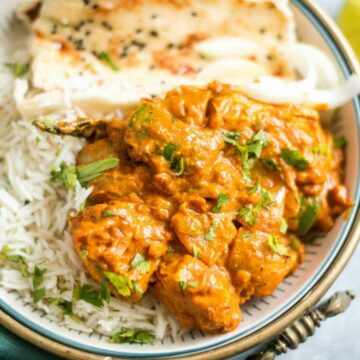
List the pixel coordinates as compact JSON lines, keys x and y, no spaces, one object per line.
{"x":337,"y":338}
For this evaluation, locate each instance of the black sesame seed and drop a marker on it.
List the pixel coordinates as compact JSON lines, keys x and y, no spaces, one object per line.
{"x":170,"y":45}
{"x":138,"y":31}
{"x":26,"y":202}
{"x":139,"y":44}
{"x":87,"y":33}
{"x":86,"y":2}
{"x":194,"y":13}
{"x":95,"y":6}
{"x":262,"y":31}
{"x":106,"y":25}
{"x":154,"y":33}
{"x":153,"y":16}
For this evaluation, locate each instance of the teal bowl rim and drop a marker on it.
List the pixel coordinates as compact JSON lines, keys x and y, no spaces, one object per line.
{"x":346,"y":229}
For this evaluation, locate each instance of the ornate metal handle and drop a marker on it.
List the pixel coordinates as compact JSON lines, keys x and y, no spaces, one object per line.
{"x":305,"y":326}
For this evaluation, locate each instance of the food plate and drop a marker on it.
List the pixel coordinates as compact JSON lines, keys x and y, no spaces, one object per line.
{"x":262,"y":317}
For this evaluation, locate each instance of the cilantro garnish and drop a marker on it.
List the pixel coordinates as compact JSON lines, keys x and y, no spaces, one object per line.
{"x":70,"y":174}
{"x":211,"y":234}
{"x":38,"y":278}
{"x":132,"y":336}
{"x":222,"y":200}
{"x":250,"y":214}
{"x":107,"y":59}
{"x":123,"y":284}
{"x":308,"y":216}
{"x":277,"y":247}
{"x":184,"y":284}
{"x":19,"y":70}
{"x":294,"y":158}
{"x":140,"y":263}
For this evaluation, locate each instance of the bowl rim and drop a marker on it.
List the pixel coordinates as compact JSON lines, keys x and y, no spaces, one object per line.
{"x":277,"y":324}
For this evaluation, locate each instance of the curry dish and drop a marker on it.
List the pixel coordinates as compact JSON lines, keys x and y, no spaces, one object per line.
{"x":207,"y":202}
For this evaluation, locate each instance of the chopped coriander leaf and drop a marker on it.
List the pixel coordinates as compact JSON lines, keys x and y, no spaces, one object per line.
{"x":178,"y":166}
{"x":67,"y":174}
{"x":340,"y":142}
{"x":283,"y":226}
{"x":95,"y":169}
{"x":308,"y":216}
{"x":196,"y":252}
{"x":257,"y":143}
{"x":49,"y":123}
{"x":211,"y":234}
{"x":138,"y":259}
{"x":250,"y":215}
{"x":184,"y":284}
{"x":193,"y":284}
{"x":39,"y":294}
{"x":231,"y":137}
{"x":17,"y":261}
{"x":222,"y":200}
{"x":132,"y":336}
{"x":108,"y":213}
{"x":123,"y":284}
{"x":195,"y":226}
{"x":87,"y":293}
{"x":142,"y":115}
{"x":270,"y":164}
{"x":294,"y":158}
{"x":277,"y":247}
{"x":140,"y":263}
{"x":66,"y":307}
{"x":246,"y":236}
{"x":84,"y":254}
{"x":137,"y":287}
{"x":17,"y":69}
{"x":169,"y":151}
{"x":254,"y":188}
{"x":104,"y":292}
{"x":38,"y":277}
{"x":295,"y":244}
{"x":105,"y":56}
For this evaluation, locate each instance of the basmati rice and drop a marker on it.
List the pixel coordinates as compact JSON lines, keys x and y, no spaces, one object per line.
{"x":33,"y":225}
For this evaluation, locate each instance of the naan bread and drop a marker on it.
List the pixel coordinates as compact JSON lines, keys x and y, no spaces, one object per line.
{"x":102,"y":56}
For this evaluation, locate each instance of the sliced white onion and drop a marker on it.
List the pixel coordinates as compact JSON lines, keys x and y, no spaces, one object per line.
{"x":298,"y":54}
{"x":228,"y":47}
{"x":275,"y":91}
{"x":338,"y":96}
{"x":231,"y":71}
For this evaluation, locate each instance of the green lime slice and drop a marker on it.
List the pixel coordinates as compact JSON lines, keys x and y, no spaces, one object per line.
{"x":349,"y":21}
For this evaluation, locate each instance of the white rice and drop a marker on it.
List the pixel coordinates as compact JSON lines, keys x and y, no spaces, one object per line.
{"x":33,"y":223}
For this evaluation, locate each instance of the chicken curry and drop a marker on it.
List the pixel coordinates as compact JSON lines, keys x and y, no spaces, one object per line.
{"x":206,"y":200}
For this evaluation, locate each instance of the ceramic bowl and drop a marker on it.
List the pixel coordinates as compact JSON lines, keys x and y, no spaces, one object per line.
{"x":265,"y":317}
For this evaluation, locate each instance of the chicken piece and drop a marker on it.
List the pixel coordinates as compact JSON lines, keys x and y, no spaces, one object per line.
{"x":199,"y":296}
{"x":188,"y":104}
{"x":258,"y":262}
{"x":169,"y":145}
{"x":205,"y":235}
{"x":124,"y":240}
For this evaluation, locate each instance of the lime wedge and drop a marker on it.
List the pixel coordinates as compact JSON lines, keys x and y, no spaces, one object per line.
{"x":349,"y":21}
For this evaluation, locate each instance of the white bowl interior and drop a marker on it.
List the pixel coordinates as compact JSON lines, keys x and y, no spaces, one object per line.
{"x":257,"y":312}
